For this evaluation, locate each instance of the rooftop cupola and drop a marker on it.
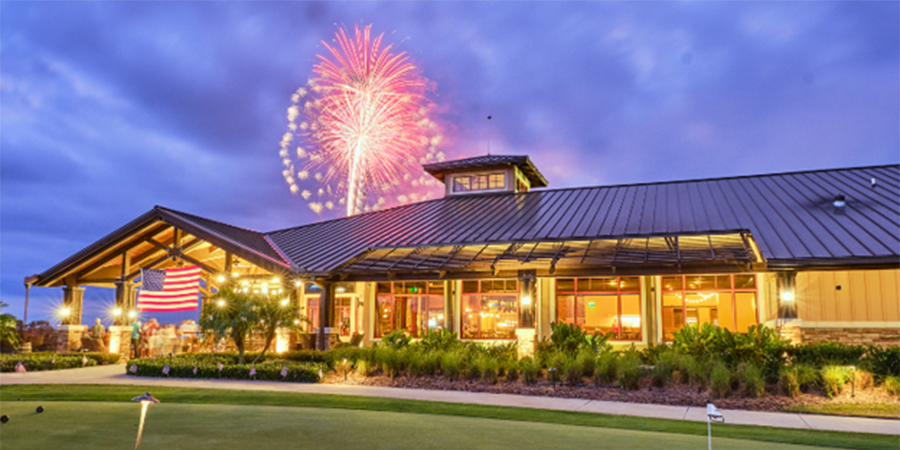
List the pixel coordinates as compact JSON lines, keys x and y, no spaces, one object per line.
{"x":487,"y":175}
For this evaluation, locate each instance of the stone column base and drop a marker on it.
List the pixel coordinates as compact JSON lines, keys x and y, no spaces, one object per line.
{"x":284,"y":340}
{"x":527,"y":338}
{"x":120,"y":340}
{"x":68,"y":338}
{"x":789,"y":329}
{"x":331,"y":339}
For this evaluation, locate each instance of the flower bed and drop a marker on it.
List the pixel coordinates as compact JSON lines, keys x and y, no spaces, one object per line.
{"x":54,"y":361}
{"x":225,"y":366}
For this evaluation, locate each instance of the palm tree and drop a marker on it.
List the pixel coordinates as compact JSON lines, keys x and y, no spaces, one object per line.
{"x":237,"y":313}
{"x":9,"y":336}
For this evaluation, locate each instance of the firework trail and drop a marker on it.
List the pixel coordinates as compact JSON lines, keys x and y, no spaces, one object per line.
{"x":363,"y":125}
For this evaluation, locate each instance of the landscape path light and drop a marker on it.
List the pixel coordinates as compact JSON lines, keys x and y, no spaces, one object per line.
{"x":145,"y":400}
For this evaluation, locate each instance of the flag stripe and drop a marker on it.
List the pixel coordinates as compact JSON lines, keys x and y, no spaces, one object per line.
{"x":174,"y":289}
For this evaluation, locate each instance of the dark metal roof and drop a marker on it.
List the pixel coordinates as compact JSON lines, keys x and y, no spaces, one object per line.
{"x":248,"y":244}
{"x":791,"y":217}
{"x":488,"y":161}
{"x":252,"y":240}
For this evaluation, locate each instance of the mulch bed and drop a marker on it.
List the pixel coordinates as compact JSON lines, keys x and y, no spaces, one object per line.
{"x":673,"y":394}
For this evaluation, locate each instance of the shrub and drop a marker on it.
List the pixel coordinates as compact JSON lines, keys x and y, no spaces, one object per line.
{"x":788,"y":384}
{"x":570,"y":338}
{"x":892,"y":385}
{"x":531,"y":371}
{"x":882,"y":362}
{"x":183,"y":367}
{"x":720,"y":381}
{"x":473,"y":368}
{"x":698,"y":371}
{"x":607,"y":368}
{"x":821,"y":354}
{"x":414,"y":361}
{"x":489,"y":368}
{"x":752,"y":380}
{"x":343,"y":367}
{"x":512,"y":370}
{"x":662,"y":369}
{"x":452,"y":365}
{"x":363,"y":367}
{"x":431,"y":362}
{"x":864,"y":379}
{"x":388,"y":359}
{"x":297,"y":355}
{"x":396,"y":339}
{"x":588,"y":362}
{"x":807,"y":376}
{"x":629,"y":372}
{"x":441,"y":340}
{"x":834,"y":378}
{"x":572,"y":371}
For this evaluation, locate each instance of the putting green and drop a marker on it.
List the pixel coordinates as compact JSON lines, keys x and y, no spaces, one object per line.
{"x":100,"y":425}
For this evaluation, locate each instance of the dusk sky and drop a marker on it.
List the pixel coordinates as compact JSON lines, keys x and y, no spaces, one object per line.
{"x":107,"y":109}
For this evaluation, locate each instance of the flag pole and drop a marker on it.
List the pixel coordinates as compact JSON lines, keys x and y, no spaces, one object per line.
{"x":709,"y":431}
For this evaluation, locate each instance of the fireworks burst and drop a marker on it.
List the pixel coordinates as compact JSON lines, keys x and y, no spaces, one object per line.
{"x":363,"y":125}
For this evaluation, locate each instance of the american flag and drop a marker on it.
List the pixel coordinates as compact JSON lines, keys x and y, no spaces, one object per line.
{"x":168,"y":290}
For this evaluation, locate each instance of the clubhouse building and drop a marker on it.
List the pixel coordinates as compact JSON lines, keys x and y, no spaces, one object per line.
{"x":498,"y":258}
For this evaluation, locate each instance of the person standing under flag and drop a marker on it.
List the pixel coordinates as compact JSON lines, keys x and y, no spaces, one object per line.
{"x":174,"y":289}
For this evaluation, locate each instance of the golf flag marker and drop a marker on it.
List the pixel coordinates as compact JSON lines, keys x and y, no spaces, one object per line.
{"x":712,"y":415}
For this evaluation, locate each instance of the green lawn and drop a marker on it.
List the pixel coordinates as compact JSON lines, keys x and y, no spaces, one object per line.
{"x":887,"y":410}
{"x":101,"y":417}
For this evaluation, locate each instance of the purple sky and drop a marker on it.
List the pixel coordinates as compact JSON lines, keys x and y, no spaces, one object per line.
{"x":110,"y":108}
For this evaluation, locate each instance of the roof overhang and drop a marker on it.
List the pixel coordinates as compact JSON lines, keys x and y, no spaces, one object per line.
{"x":149,"y":238}
{"x":712,"y":252}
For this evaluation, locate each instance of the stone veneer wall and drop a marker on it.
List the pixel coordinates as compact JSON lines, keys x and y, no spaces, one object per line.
{"x":879,"y":336}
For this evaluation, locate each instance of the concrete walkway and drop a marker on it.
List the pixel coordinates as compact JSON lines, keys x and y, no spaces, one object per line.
{"x":115,"y":374}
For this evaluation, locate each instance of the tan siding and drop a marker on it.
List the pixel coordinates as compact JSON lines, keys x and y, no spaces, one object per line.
{"x":827,"y":293}
{"x":809,"y":305}
{"x":856,"y":295}
{"x":874,"y":296}
{"x":891,"y":293}
{"x":865,"y":296}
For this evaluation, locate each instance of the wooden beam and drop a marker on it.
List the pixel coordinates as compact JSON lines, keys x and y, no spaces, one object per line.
{"x":139,"y":239}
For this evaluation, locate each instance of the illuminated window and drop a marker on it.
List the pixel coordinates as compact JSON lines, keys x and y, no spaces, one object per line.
{"x":489,"y":309}
{"x":601,"y":305}
{"x":417,"y":307}
{"x":479,"y":182}
{"x":342,"y":306}
{"x":728,"y":301}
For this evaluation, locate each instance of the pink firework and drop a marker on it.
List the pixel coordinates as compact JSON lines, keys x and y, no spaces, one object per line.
{"x":366,"y":122}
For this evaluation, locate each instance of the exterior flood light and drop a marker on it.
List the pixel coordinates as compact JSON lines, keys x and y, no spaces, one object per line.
{"x":132,"y":314}
{"x":117,"y":312}
{"x":65,"y":312}
{"x":787,"y":296}
{"x":145,"y":400}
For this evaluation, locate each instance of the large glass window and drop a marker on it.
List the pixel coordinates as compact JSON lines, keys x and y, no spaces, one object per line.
{"x":479,"y":182}
{"x":601,"y":305}
{"x":728,"y":301}
{"x":342,"y":306}
{"x":489,"y":309}
{"x":417,"y":307}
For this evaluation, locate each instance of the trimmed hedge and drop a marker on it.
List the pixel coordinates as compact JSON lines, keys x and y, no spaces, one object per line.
{"x":182,"y":366}
{"x":54,"y":361}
